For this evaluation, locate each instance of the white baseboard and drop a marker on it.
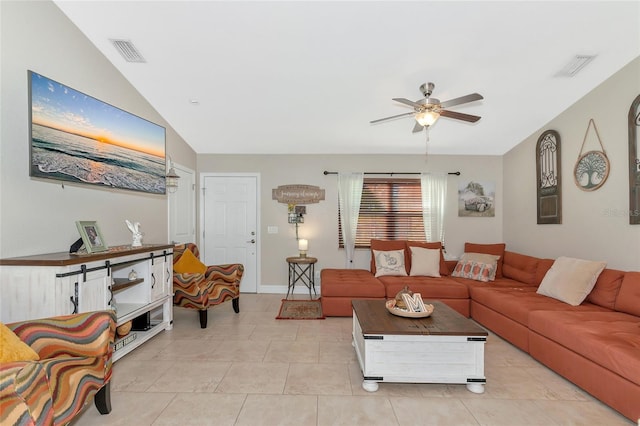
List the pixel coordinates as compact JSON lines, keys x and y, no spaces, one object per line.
{"x":282,"y":289}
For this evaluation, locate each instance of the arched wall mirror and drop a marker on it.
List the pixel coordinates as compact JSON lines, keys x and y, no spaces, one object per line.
{"x":634,"y":162}
{"x":549,"y":194}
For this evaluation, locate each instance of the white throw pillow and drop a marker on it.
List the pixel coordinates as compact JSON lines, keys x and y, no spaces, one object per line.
{"x":571,"y":280}
{"x":390,"y":263}
{"x":425,"y":262}
{"x":477,"y":266}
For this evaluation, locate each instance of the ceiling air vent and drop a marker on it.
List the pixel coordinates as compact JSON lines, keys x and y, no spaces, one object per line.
{"x":576,"y":64}
{"x":128,"y":51}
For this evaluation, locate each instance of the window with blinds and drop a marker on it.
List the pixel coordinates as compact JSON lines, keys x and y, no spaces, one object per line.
{"x":390,"y":209}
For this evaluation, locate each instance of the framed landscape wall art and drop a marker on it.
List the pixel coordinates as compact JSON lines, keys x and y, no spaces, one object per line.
{"x":476,"y":199}
{"x":77,"y":138}
{"x":634,"y":162}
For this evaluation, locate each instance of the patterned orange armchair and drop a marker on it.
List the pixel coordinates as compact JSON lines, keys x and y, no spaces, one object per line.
{"x":75,"y":356}
{"x":199,"y":286}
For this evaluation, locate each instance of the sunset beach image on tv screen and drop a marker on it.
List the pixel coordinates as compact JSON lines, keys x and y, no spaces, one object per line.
{"x":77,"y":138}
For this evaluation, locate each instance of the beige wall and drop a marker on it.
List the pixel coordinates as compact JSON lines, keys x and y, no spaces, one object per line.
{"x":39,"y":216}
{"x":321,"y":221}
{"x":595,"y":224}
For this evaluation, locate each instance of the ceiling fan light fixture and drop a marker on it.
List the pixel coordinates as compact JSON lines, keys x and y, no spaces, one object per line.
{"x":427,"y":118}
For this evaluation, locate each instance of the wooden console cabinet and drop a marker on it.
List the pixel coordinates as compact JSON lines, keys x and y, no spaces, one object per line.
{"x":54,"y":284}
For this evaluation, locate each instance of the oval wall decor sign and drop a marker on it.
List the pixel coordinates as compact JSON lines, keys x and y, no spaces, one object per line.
{"x":297,"y":194}
{"x":591,"y":170}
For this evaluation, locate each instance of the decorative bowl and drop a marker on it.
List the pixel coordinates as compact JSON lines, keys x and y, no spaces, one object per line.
{"x":391,"y":307}
{"x":124,"y":329}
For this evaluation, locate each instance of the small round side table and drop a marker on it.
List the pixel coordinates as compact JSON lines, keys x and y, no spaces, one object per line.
{"x":301,"y":269}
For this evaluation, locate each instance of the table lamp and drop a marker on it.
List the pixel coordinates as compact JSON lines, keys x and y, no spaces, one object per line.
{"x":303,"y":246}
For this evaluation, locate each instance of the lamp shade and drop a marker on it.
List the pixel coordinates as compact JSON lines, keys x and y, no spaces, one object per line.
{"x":427,"y":118}
{"x":303,"y":245}
{"x":171,"y":179}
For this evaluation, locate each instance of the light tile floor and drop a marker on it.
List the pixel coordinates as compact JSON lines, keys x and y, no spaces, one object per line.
{"x":251,"y":369}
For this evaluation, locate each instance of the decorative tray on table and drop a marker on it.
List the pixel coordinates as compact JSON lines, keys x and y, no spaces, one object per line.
{"x":403,"y":312}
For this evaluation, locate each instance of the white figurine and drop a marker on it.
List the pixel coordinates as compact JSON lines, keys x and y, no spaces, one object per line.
{"x":137,"y":235}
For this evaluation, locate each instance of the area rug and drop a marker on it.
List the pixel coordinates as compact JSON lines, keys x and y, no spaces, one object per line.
{"x":300,"y":309}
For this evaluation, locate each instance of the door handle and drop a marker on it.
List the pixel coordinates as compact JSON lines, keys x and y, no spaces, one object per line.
{"x":252,"y":241}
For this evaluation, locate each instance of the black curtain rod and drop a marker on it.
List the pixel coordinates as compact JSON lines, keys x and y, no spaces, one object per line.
{"x":390,"y":173}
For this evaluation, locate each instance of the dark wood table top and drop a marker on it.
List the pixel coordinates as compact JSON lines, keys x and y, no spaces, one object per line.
{"x":66,"y":259}
{"x":374,"y":318}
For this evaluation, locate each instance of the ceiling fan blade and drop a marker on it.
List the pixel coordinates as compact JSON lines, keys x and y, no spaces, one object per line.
{"x":407,"y":102}
{"x":461,"y":100}
{"x":389,"y":118}
{"x":417,"y":128}
{"x":460,"y":116}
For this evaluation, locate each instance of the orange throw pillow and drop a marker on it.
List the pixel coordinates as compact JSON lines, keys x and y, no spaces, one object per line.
{"x":13,"y":349}
{"x":189,"y":264}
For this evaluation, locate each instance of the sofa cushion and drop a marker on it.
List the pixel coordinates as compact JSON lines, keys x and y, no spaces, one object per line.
{"x":606,"y":290}
{"x":497,"y":249}
{"x":543,"y":267}
{"x":610,"y":339}
{"x":13,"y":349}
{"x":497,"y":283}
{"x":428,"y":287}
{"x":390,"y":262}
{"x":352,"y":283}
{"x":571,"y":280}
{"x":387,"y":245}
{"x":425,"y":262}
{"x":476,"y":266}
{"x":520,"y":267}
{"x":628,"y":299}
{"x":517,"y":303}
{"x":444,"y":269}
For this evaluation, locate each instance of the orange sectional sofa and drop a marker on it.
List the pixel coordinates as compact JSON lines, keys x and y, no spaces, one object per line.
{"x":596,"y":344}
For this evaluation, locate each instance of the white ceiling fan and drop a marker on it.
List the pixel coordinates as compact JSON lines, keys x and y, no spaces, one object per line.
{"x":426,"y":111}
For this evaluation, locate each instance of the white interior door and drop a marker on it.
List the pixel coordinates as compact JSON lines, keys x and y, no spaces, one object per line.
{"x":229,"y":219}
{"x":182,"y":207}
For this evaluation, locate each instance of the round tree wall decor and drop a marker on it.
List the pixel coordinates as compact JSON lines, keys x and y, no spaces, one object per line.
{"x":592,"y":168}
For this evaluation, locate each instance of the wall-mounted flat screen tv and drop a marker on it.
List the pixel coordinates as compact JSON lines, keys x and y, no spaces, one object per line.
{"x":78,"y":138}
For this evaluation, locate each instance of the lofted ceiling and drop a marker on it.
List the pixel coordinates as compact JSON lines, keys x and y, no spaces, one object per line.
{"x":304,"y":77}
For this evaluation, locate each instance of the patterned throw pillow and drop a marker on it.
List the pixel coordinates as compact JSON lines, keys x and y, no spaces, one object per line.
{"x":477,"y":266}
{"x":494,"y":249}
{"x":389,"y":263}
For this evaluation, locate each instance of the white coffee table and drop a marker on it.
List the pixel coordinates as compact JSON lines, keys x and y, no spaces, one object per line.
{"x":443,"y":348}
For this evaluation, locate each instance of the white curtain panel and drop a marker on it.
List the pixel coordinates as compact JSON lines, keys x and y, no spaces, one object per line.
{"x":349,"y":195}
{"x":434,"y":195}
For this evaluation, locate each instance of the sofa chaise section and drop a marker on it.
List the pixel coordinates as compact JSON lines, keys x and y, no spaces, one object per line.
{"x":340,"y":286}
{"x":444,"y":289}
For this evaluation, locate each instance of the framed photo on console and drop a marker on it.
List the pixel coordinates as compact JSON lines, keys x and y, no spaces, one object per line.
{"x":91,"y":236}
